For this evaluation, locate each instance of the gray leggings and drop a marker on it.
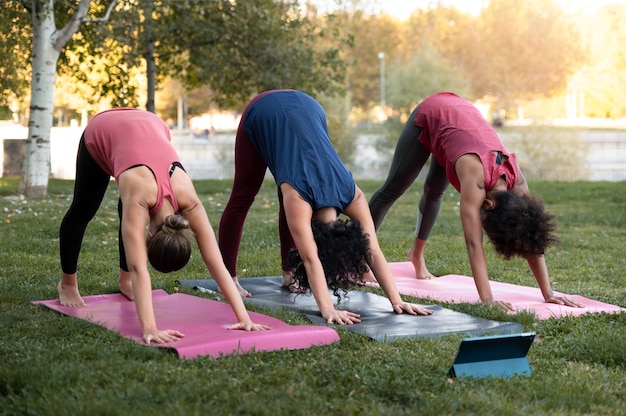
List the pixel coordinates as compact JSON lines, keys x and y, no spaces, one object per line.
{"x":408,"y":160}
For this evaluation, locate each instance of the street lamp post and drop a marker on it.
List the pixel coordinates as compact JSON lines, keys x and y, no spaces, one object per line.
{"x":381,"y":57}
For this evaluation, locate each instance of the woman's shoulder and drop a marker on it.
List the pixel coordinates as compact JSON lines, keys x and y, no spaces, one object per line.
{"x":137,"y":182}
{"x":469,"y":168}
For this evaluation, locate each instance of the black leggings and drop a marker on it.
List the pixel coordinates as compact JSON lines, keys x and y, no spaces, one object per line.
{"x":408,"y":160}
{"x":89,"y":188}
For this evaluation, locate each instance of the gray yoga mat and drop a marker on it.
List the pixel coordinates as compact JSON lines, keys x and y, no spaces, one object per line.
{"x":378,"y":321}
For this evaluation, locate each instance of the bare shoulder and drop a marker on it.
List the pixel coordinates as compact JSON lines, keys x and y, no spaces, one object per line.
{"x":359,"y":197}
{"x":521,"y":186}
{"x":468,"y":162}
{"x":138,"y":185}
{"x":470,"y":171}
{"x":183,"y":189}
{"x":291,"y":195}
{"x":358,"y":208}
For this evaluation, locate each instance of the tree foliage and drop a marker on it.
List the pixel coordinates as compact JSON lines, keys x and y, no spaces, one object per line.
{"x":371,"y":35}
{"x":602,"y":81}
{"x":236,"y":48}
{"x":241,"y":48}
{"x":513,"y":51}
{"x":518,"y":50}
{"x":263,"y":45}
{"x":15,"y":41}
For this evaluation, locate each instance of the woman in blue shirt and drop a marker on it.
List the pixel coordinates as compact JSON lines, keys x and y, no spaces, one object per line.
{"x":286,"y":131}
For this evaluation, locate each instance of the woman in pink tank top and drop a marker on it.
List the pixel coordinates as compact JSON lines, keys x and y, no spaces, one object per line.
{"x":133,"y":146}
{"x":494,"y":196}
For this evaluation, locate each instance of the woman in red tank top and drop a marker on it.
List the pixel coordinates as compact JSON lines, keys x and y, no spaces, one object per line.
{"x":494,"y":196}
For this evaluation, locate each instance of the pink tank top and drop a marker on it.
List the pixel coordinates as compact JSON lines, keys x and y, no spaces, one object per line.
{"x":453,"y":127}
{"x":123,"y":138}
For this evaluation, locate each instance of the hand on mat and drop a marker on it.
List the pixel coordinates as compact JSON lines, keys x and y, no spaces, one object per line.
{"x":249,"y":326}
{"x":411,"y":309}
{"x":162,"y":337}
{"x":340,"y":317}
{"x":500,"y":304}
{"x":563,"y":300}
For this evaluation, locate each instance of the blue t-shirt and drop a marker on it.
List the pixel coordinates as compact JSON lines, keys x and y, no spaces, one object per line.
{"x":288,"y":129}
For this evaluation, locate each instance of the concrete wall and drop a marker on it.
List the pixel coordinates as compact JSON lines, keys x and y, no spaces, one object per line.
{"x":211,"y":156}
{"x":203,"y":158}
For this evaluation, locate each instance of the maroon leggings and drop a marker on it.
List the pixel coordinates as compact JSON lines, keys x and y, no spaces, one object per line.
{"x":249,"y":174}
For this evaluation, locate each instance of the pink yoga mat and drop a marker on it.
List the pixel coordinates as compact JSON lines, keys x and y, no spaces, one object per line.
{"x":204,"y":322}
{"x":461,"y":289}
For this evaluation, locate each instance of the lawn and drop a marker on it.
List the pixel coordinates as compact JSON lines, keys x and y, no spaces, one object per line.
{"x":53,"y":365}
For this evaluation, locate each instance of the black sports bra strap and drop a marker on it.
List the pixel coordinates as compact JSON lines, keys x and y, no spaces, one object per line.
{"x":498,"y":158}
{"x":174,"y":166}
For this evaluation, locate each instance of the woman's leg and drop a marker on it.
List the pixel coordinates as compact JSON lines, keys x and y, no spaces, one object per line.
{"x":120,"y":241}
{"x":286,"y":240}
{"x":408,"y":160}
{"x":126,"y":285}
{"x":434,"y":187}
{"x":286,"y":244}
{"x":430,"y":203}
{"x":89,"y":187}
{"x":249,"y":174}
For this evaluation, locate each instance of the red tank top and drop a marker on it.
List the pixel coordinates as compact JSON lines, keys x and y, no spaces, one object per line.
{"x":453,"y":127}
{"x":122,"y":138}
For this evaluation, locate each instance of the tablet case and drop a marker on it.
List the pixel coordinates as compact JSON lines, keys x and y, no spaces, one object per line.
{"x":493,"y":356}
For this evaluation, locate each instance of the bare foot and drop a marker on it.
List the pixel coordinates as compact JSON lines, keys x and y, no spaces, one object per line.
{"x":423,"y":275}
{"x":243,"y":292}
{"x":68,"y":292}
{"x":421,"y":272}
{"x":290,"y":283}
{"x":287,"y":278}
{"x":369,"y":277}
{"x":126,"y":286}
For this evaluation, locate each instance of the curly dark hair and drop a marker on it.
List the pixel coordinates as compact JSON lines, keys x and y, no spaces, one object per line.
{"x":169,"y":247}
{"x":343,"y":250}
{"x":519,"y":225}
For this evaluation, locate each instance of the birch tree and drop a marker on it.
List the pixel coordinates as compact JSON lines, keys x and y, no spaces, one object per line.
{"x":47,"y":44}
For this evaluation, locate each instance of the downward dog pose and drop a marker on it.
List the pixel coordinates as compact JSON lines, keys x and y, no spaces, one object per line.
{"x":494,"y":194}
{"x":286,"y":131}
{"x":134,"y":147}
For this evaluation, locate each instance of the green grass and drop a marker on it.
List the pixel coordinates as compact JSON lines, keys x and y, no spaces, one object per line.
{"x":51,"y":364}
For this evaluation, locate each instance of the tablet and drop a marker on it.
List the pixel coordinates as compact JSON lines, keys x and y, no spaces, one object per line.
{"x":493,"y":356}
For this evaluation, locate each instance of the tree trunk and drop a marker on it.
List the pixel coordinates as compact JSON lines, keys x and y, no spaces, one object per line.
{"x":151,"y":74}
{"x":148,"y":39}
{"x":36,"y":164}
{"x":47,"y":45}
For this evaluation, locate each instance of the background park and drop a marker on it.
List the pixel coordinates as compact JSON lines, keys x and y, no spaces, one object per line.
{"x":553,"y":72}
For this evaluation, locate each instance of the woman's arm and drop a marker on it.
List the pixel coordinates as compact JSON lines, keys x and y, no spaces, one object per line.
{"x":537,"y":263}
{"x":134,"y":218}
{"x":469,"y":169}
{"x":192,"y":209}
{"x":539,"y":269}
{"x":299,"y":214}
{"x":359,"y":210}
